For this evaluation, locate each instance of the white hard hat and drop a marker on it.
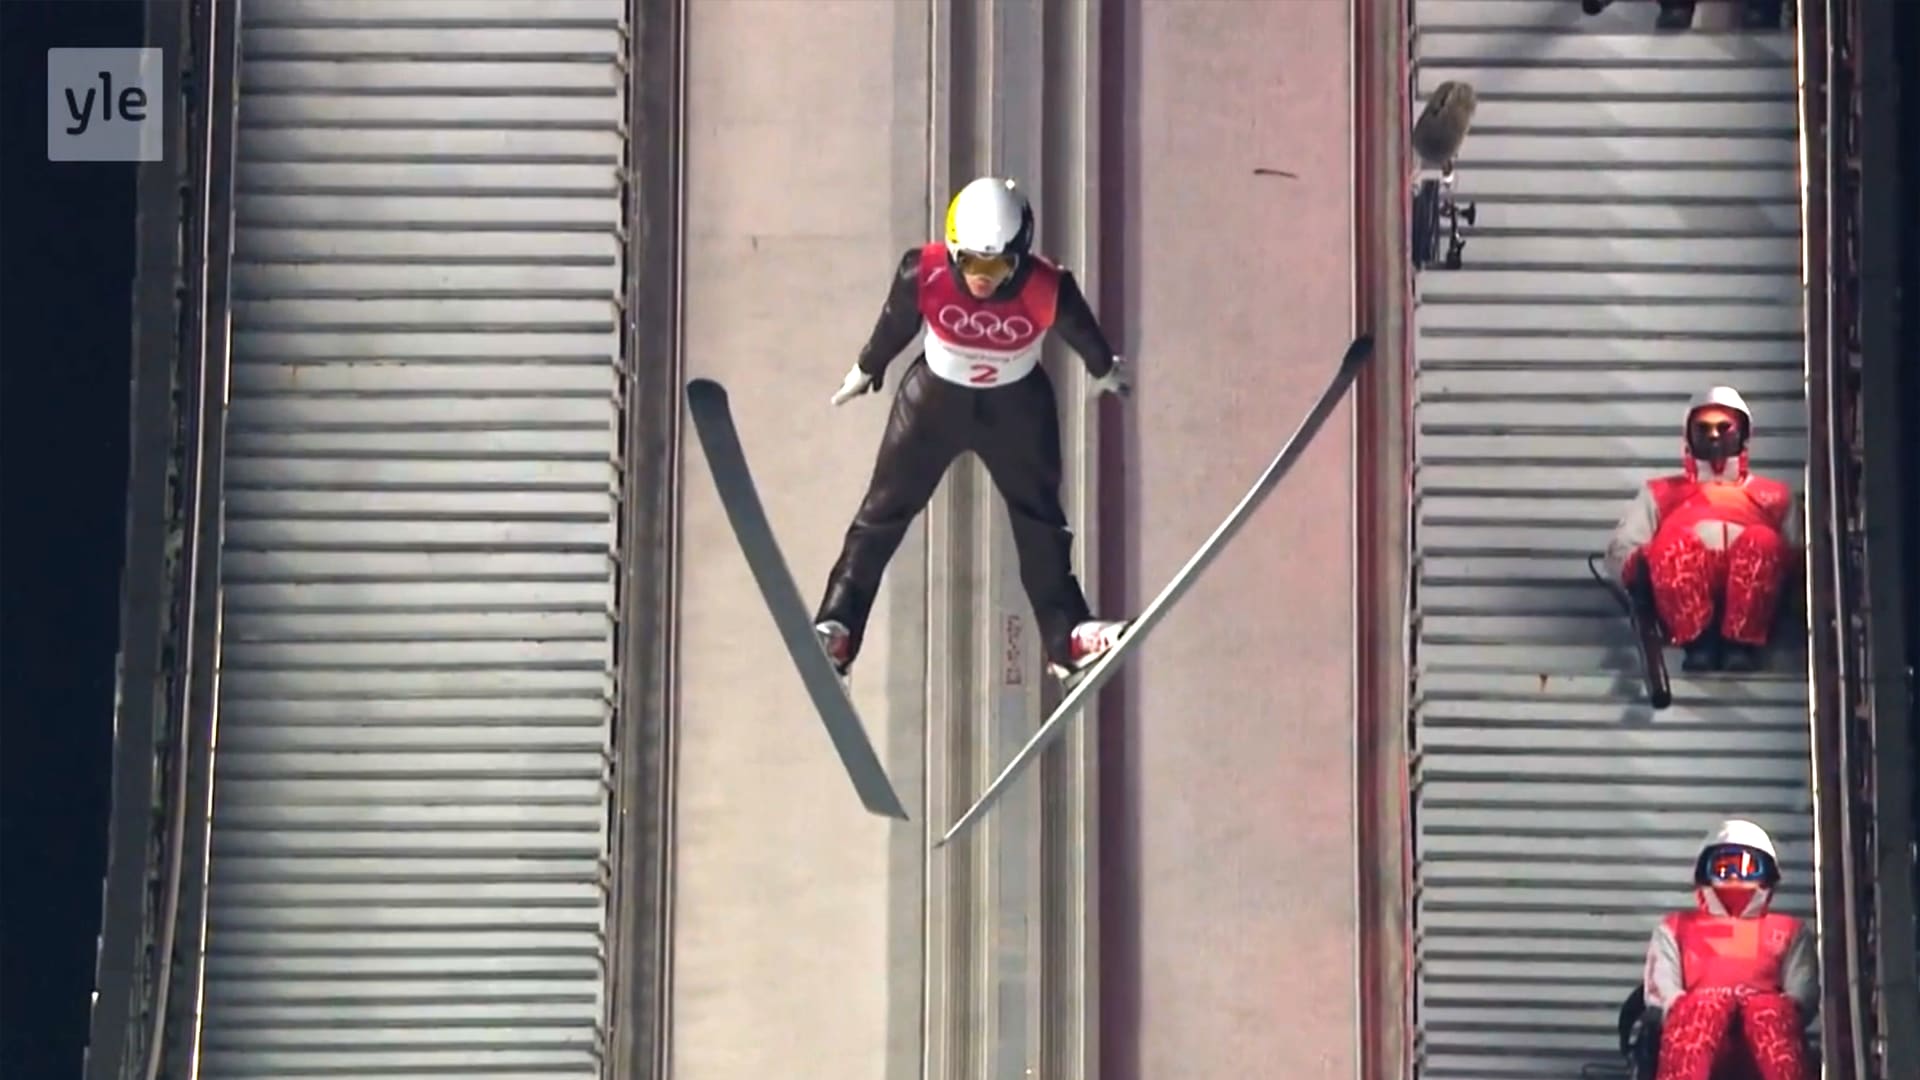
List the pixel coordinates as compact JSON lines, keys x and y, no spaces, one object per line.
{"x":990,"y":216}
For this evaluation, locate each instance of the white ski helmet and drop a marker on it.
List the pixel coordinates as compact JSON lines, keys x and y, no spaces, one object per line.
{"x":1727,"y":399}
{"x":1723,"y":397}
{"x":1739,"y":834}
{"x":989,"y":217}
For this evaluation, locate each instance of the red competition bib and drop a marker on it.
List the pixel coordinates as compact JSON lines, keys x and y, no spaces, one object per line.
{"x":984,"y":343}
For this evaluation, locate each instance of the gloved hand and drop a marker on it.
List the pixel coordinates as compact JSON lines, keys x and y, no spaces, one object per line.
{"x":1116,"y":381}
{"x":856,"y":383}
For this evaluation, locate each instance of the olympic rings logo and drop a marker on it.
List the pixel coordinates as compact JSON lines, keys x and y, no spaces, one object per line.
{"x":984,"y":326}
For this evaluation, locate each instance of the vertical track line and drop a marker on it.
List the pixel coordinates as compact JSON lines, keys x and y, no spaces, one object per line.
{"x":1116,"y":857}
{"x":1068,"y":1014}
{"x":1009,"y":966}
{"x":948,"y":975}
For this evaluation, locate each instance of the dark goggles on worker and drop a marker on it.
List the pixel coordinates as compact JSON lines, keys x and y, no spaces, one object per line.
{"x":1738,"y":864}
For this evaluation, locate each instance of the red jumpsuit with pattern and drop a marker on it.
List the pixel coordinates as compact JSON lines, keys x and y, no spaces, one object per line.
{"x":1718,"y":541}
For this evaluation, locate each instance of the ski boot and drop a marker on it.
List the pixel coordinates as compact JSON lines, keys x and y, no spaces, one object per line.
{"x":837,"y":641}
{"x":1674,"y":15}
{"x":1089,"y":642}
{"x":1762,"y":15}
{"x":1708,"y":653}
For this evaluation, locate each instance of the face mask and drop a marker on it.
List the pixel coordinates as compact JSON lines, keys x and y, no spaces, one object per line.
{"x":1714,"y":435}
{"x":1735,"y":898}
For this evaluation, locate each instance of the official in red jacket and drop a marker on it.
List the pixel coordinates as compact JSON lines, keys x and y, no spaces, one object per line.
{"x":1715,"y":541}
{"x":1733,"y":984}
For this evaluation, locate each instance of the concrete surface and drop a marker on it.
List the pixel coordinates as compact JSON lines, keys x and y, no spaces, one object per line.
{"x":1229,"y":913}
{"x":796,"y":934}
{"x":1229,"y":926}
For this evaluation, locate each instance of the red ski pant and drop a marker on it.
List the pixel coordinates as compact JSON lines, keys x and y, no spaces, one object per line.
{"x":1726,"y":1034}
{"x":1688,"y":577}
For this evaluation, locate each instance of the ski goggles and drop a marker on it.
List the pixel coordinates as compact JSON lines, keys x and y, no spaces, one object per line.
{"x":998,"y":268}
{"x":1738,"y":864}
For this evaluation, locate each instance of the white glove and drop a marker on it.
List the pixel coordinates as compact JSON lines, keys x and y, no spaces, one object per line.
{"x":1114,"y":382}
{"x":856,"y":383}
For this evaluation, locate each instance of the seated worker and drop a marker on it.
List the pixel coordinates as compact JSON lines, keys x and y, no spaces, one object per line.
{"x":1730,"y":986}
{"x":1715,"y":542}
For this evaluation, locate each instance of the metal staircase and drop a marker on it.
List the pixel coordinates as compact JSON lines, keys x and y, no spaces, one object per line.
{"x":1637,"y":239}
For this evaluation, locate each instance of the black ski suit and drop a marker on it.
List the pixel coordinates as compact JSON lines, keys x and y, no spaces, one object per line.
{"x":1015,"y":431}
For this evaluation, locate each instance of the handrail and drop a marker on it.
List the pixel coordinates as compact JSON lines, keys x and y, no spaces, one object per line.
{"x":1841,"y":364}
{"x":178,"y":397}
{"x":640,"y":954}
{"x":1870,"y":512}
{"x":1381,"y":94}
{"x":210,"y":245}
{"x":1828,"y":665}
{"x":1881,"y":529}
{"x":122,"y":975}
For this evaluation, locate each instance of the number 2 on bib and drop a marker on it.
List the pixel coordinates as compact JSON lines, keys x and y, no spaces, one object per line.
{"x":984,"y":374}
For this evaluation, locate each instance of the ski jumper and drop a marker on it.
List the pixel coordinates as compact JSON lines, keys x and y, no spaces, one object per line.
{"x":1715,"y":544}
{"x":977,"y":385}
{"x":1736,"y":991}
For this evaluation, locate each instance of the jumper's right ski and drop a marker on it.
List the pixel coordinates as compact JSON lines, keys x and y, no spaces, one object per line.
{"x":713,"y":420}
{"x":1637,"y":602}
{"x":1092,"y":678}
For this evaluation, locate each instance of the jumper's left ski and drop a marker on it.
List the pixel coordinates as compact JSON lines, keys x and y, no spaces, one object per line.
{"x":713,"y":420}
{"x":1092,"y":678}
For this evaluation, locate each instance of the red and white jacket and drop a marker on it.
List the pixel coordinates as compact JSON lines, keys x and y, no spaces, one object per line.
{"x":1710,"y":948}
{"x":1756,"y":950}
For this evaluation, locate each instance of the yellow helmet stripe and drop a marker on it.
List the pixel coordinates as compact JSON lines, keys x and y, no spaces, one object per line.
{"x":953,"y":232}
